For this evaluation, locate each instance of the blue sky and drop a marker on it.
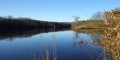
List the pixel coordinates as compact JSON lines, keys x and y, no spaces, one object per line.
{"x":55,"y":10}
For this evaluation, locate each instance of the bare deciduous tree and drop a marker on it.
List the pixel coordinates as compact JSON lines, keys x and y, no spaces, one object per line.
{"x":76,"y":18}
{"x":98,"y":16}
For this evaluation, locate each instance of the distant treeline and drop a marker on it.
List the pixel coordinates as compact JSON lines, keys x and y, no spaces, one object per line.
{"x":10,"y":23}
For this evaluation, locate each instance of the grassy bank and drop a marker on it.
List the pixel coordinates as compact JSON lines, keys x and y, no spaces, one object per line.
{"x":26,"y":23}
{"x":88,"y":24}
{"x":110,"y":40}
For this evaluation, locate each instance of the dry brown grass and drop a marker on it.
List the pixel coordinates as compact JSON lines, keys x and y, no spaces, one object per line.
{"x":88,"y":24}
{"x":111,"y":39}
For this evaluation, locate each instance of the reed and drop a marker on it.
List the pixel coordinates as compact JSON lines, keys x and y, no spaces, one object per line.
{"x":44,"y":51}
{"x":111,"y":38}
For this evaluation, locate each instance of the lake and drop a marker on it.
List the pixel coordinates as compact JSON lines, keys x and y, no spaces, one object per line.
{"x":53,"y":45}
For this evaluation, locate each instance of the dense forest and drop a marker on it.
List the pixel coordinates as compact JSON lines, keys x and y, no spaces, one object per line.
{"x":10,"y":23}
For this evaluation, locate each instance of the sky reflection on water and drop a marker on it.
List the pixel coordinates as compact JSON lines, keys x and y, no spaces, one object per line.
{"x":69,"y":45}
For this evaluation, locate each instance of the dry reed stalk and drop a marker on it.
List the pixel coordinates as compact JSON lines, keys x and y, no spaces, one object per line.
{"x":111,"y":39}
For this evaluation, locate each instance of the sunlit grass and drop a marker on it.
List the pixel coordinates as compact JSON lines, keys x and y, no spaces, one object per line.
{"x":88,"y":24}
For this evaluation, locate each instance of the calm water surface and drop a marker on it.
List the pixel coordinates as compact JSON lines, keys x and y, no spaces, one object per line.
{"x":61,"y":45}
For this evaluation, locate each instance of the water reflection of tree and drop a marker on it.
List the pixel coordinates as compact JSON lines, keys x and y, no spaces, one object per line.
{"x":11,"y":35}
{"x":78,"y":39}
{"x":95,"y":37}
